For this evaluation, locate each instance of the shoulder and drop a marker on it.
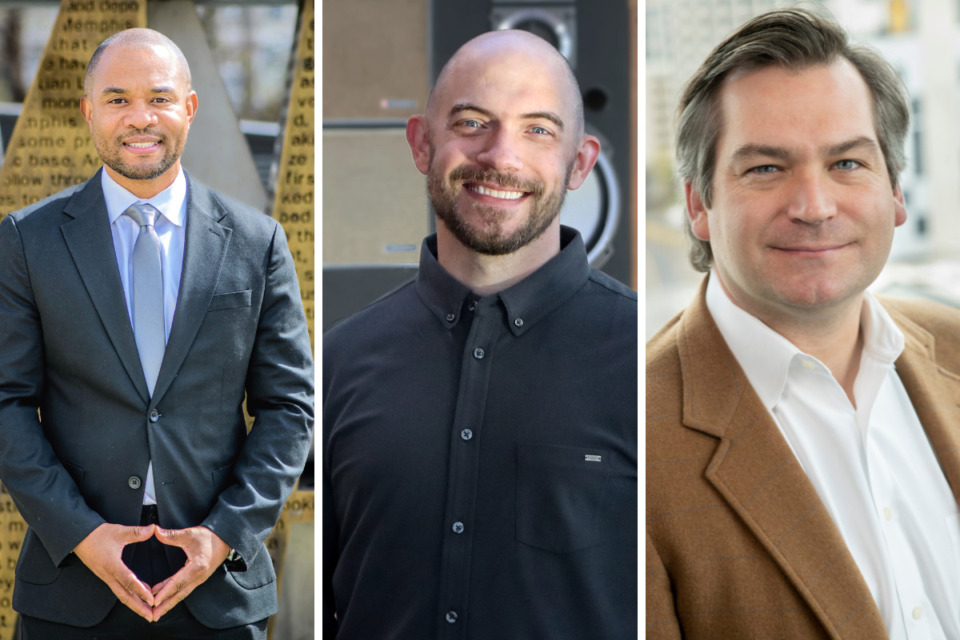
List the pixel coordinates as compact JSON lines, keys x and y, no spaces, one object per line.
{"x":610,"y":297}
{"x":40,"y":212}
{"x":387,"y":314}
{"x":613,"y":286}
{"x":232,"y":212}
{"x":918,"y":317}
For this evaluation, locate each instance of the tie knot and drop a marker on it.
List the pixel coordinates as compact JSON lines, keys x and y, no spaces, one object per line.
{"x":144,"y":214}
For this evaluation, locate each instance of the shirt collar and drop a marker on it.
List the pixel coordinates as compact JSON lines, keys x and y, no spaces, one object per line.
{"x":170,"y":202}
{"x":526,"y":301}
{"x":765,"y":355}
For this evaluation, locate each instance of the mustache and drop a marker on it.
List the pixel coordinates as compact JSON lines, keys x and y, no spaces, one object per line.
{"x":491,"y":176}
{"x":142,"y":132}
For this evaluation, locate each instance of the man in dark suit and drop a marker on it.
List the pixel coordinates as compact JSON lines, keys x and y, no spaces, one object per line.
{"x":138,"y":478}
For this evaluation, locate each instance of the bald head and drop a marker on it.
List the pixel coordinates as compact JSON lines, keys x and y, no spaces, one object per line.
{"x":142,"y":39}
{"x":514,"y":48}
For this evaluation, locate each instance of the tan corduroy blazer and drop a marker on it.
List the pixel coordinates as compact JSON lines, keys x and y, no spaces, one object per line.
{"x":739,"y":544}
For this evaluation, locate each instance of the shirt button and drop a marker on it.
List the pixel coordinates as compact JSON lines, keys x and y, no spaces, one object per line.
{"x":458,"y":527}
{"x":888,"y":513}
{"x":478,"y":353}
{"x":466,"y":434}
{"x":133,"y":482}
{"x":518,"y":322}
{"x":154,"y":415}
{"x":917,"y":612}
{"x":472,"y":306}
{"x":451,"y":616}
{"x":451,"y":317}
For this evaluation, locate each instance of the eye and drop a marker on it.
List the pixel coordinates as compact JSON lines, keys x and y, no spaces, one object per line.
{"x":847,"y":165}
{"x":540,"y":131}
{"x":764,"y":169}
{"x":473,"y":124}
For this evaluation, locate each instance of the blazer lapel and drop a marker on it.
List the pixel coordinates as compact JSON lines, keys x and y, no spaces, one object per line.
{"x":90,"y":243}
{"x":204,"y":252}
{"x":935,"y":393}
{"x":757,"y":474}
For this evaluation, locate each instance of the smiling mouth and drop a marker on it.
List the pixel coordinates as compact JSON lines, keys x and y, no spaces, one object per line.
{"x":812,"y":250}
{"x":495,"y":193}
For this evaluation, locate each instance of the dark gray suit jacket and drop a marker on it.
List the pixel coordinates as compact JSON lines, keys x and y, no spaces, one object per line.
{"x":67,"y":349}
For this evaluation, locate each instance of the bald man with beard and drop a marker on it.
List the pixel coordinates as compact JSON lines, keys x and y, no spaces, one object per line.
{"x":480,"y":422}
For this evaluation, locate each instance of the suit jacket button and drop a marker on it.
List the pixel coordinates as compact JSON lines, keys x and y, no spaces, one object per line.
{"x":154,"y":415}
{"x":133,"y":482}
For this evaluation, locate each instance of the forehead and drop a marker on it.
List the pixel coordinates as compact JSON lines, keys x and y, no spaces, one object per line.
{"x":123,"y":65}
{"x":506,"y":82}
{"x":796,"y":107}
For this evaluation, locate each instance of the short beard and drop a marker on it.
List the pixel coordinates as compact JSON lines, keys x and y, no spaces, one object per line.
{"x":111,"y":157}
{"x":489,"y":238}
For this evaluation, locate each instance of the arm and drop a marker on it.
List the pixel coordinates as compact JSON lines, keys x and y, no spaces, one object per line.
{"x":662,"y":623}
{"x":44,"y":492}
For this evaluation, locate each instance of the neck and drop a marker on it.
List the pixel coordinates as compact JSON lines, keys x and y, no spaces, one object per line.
{"x":145,"y":188}
{"x":486,"y":275}
{"x":832,"y":336}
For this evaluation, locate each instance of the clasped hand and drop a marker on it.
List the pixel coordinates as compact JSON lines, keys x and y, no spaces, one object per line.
{"x":101,"y":552}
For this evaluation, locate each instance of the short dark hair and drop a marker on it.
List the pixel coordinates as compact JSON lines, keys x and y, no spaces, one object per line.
{"x":793,"y":38}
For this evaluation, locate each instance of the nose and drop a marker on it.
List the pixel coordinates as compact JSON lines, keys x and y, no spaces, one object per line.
{"x":140,"y":116}
{"x":811,"y":200}
{"x":500,"y":152}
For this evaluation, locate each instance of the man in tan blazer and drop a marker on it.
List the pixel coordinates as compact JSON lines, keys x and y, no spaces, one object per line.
{"x":803,"y":437}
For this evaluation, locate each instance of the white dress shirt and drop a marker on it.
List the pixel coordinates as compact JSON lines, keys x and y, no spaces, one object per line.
{"x":171,"y":229}
{"x":872,"y":464}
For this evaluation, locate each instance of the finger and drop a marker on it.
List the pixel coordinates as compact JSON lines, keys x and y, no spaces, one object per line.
{"x":132,"y":601}
{"x":177,"y":586}
{"x":127,"y":580}
{"x":157,"y":588}
{"x":172,"y":537}
{"x":140,"y":533}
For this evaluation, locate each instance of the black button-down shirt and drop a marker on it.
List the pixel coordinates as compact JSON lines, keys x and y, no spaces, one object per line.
{"x":480,"y":459}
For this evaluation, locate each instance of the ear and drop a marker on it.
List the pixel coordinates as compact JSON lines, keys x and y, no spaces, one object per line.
{"x":697,"y":212}
{"x":191,"y":106}
{"x":86,"y":108}
{"x":586,"y":157}
{"x":900,"y":209}
{"x":419,"y":141}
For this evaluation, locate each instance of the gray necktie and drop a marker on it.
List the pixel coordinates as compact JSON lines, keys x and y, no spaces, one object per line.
{"x":148,"y":324}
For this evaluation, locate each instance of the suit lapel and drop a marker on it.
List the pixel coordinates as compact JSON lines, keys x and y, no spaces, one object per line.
{"x":761,"y":480}
{"x":90,"y":243}
{"x":204,"y":251}
{"x":934,"y":393}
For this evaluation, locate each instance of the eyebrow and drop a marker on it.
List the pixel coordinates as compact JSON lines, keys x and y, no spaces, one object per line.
{"x":122,"y":91}
{"x":533,"y":115}
{"x":781,"y":153}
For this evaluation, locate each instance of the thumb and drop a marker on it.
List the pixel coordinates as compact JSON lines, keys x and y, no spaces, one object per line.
{"x":139,"y":533}
{"x":168,"y":536}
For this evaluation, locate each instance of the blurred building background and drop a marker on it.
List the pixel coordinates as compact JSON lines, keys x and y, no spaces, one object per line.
{"x":920,"y":38}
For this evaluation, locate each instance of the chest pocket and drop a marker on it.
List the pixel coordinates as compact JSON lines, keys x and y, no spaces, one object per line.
{"x":560,"y":496}
{"x":232,"y":300}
